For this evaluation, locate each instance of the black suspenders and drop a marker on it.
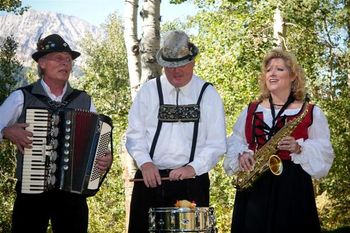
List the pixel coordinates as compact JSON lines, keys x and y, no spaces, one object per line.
{"x":159,"y":126}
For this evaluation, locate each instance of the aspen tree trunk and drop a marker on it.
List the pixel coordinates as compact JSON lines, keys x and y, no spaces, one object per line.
{"x":140,"y":53}
{"x":134,"y":68}
{"x":132,"y":45}
{"x":279,"y":30}
{"x":150,"y":39}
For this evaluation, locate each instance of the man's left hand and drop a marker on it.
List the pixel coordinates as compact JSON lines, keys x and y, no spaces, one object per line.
{"x":182,"y":173}
{"x":104,"y":162}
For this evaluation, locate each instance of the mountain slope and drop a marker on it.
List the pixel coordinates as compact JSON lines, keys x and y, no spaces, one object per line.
{"x":28,"y":28}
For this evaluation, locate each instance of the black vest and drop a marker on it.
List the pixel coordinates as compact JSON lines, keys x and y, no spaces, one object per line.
{"x":36,"y":97}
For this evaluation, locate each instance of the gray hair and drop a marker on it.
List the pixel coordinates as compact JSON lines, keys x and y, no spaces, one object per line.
{"x":40,"y":71}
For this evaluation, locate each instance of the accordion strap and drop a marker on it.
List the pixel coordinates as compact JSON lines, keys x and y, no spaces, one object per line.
{"x":50,"y":103}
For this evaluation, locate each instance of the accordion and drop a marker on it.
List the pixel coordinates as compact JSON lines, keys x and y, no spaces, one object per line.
{"x":65,"y":145}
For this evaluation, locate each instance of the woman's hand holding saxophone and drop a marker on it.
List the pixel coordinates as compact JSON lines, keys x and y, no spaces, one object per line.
{"x":246,"y":161}
{"x":290,"y":144}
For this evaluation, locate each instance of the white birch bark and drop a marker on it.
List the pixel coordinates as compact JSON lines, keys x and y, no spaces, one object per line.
{"x":279,"y":29}
{"x":134,"y":68}
{"x":139,"y":55}
{"x":132,"y":44}
{"x":150,"y":40}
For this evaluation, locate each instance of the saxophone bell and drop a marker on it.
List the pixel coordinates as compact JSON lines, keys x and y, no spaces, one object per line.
{"x":275,"y":165}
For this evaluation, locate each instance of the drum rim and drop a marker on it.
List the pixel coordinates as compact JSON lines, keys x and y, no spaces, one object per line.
{"x":179,"y":209}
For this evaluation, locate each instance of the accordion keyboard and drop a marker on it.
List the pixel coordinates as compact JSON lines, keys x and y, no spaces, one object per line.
{"x":35,"y":159}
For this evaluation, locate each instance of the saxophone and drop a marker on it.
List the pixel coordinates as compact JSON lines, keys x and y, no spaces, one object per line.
{"x":266,"y":158}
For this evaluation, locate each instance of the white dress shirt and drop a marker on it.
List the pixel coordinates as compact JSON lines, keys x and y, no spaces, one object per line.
{"x":317,"y":153}
{"x":11,"y":108}
{"x":173,"y":148}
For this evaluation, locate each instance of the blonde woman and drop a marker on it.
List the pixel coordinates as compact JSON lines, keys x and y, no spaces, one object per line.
{"x":283,"y":203}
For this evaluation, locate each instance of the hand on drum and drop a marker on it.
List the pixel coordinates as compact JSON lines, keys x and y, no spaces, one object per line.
{"x":181,"y":173}
{"x":150,"y":174}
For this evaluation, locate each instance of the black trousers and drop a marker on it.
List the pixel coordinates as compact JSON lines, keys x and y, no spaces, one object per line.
{"x":166,"y":195}
{"x":68,"y":212}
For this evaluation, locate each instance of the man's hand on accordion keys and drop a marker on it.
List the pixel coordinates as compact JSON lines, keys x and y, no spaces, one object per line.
{"x":18,"y":135}
{"x":104,"y":162}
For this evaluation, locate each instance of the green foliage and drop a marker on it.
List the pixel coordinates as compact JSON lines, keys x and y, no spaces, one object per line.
{"x":9,"y":70}
{"x":12,"y":6}
{"x":106,"y":80}
{"x":337,"y":183}
{"x":7,"y":184}
{"x":10,"y":67}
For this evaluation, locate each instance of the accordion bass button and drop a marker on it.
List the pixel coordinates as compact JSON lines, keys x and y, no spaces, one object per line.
{"x":65,"y":167}
{"x":66,"y":152}
{"x":52,"y":180}
{"x":66,"y":159}
{"x":55,"y":119}
{"x":66,"y":144}
{"x":68,"y":129}
{"x":53,"y":168}
{"x":53,"y":156}
{"x":68,"y":122}
{"x":67,"y":137}
{"x":54,"y":144}
{"x":55,"y":132}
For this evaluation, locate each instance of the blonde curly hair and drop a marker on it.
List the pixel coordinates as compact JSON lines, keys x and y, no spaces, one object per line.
{"x":295,"y":70}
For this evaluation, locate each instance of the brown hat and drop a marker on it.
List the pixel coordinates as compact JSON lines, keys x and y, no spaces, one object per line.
{"x":53,"y":43}
{"x":177,"y":50}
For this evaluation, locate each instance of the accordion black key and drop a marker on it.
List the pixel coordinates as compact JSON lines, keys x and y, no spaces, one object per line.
{"x":65,"y":146}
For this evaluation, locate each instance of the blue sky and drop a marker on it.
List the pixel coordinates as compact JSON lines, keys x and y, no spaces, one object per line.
{"x":96,"y":11}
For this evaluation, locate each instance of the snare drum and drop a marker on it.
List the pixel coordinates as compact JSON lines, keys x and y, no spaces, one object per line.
{"x":173,"y":219}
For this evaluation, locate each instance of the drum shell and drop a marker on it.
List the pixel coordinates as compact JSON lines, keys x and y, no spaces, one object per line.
{"x":172,"y":219}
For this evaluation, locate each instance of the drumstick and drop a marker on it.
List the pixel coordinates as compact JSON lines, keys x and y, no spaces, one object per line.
{"x":162,"y":178}
{"x":141,"y":179}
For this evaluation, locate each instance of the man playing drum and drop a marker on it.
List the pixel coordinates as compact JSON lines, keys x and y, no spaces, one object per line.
{"x":176,"y":134}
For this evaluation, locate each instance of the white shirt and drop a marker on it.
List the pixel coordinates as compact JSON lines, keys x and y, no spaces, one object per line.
{"x":174,"y":143}
{"x":317,"y":153}
{"x":11,"y":109}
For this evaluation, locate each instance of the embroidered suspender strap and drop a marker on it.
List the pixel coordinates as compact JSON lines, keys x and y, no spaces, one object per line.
{"x":196,"y":124}
{"x":159,"y":126}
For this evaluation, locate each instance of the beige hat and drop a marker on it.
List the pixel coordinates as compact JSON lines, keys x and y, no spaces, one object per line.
{"x":177,"y":50}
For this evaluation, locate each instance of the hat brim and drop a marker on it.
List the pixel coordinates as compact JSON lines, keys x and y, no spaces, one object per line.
{"x":37,"y":55}
{"x":165,"y":63}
